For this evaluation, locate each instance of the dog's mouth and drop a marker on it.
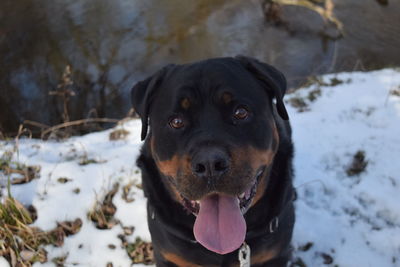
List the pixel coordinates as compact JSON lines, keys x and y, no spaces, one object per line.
{"x":220,"y":225}
{"x":245,"y":198}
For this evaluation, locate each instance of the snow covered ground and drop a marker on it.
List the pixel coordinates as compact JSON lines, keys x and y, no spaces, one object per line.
{"x":346,"y":132}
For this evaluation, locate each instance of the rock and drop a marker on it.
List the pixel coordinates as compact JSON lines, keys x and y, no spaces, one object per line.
{"x":109,"y":45}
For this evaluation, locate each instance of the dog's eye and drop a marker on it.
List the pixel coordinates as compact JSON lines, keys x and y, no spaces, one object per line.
{"x":176,"y":122}
{"x":241,"y":113}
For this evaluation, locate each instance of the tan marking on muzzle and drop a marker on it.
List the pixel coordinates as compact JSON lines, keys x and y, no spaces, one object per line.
{"x":256,"y":158}
{"x":170,"y":168}
{"x":261,"y":158}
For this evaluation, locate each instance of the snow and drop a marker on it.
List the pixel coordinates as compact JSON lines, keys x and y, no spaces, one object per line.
{"x":356,"y":220}
{"x":352,"y":220}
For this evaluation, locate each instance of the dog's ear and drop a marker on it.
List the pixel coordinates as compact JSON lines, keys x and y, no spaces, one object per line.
{"x":142,"y":96}
{"x":274,"y":81}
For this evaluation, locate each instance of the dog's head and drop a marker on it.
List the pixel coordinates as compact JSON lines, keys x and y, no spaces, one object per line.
{"x":213,"y":138}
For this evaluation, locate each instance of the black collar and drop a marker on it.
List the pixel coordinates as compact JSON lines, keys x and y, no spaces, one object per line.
{"x":272,"y":227}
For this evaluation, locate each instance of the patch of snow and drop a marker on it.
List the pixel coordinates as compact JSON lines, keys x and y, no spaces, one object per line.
{"x":354,"y":219}
{"x":4,"y":262}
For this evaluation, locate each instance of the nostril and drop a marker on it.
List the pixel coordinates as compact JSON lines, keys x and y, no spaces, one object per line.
{"x":220,"y":165}
{"x":200,"y":168}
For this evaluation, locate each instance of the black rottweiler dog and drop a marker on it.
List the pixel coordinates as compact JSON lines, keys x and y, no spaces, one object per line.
{"x":217,"y":163}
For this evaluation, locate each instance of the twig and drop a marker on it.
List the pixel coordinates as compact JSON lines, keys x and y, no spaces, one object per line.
{"x":36,"y":124}
{"x":77,"y":122}
{"x":64,"y":90}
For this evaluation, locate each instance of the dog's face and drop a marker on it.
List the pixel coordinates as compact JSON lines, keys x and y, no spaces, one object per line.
{"x":212,"y":134}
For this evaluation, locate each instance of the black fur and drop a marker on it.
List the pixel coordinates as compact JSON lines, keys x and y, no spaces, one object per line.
{"x":208,"y":123}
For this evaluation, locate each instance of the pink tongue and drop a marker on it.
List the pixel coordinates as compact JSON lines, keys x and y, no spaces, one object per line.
{"x":220,"y":226}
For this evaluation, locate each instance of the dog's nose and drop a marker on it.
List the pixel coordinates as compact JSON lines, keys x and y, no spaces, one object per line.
{"x":210,"y":163}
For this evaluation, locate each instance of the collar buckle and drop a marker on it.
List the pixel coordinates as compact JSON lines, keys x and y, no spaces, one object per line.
{"x":273,"y":225}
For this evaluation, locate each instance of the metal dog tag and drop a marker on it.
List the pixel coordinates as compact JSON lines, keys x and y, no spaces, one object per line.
{"x":244,"y":255}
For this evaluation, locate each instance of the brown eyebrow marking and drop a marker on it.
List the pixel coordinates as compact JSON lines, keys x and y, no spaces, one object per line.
{"x":227,"y":98}
{"x":185,"y":103}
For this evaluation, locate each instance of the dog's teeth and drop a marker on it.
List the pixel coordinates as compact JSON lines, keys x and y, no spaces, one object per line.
{"x":242,"y":195}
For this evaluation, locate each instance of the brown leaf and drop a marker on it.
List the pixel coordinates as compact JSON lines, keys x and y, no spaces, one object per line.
{"x":57,"y":236}
{"x":118,"y":134}
{"x":71,"y":227}
{"x":125,"y":192}
{"x":108,"y":209}
{"x":103,"y":212}
{"x":28,"y":174}
{"x":128,"y":230}
{"x":27,"y":255}
{"x":42,"y":255}
{"x":141,"y":252}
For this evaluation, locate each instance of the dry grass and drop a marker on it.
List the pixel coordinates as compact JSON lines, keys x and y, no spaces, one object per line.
{"x":10,"y":167}
{"x":127,"y":193}
{"x":26,"y":173}
{"x":85,"y":160}
{"x":318,"y":82}
{"x":301,"y":103}
{"x":118,"y":134}
{"x":139,"y":251}
{"x":65,"y":91}
{"x":21,"y":244}
{"x":358,"y":164}
{"x":395,"y":92}
{"x":103,"y":212}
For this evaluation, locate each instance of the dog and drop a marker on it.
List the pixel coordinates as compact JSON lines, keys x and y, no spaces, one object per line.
{"x":217,"y":163}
